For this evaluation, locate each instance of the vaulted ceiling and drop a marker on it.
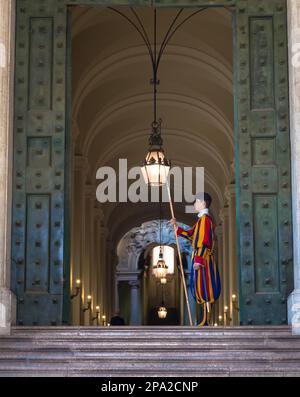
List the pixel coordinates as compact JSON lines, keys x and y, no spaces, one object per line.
{"x":112,"y":99}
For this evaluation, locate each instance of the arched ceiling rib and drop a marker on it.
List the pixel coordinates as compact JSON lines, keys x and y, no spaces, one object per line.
{"x":86,"y":17}
{"x":104,"y":69}
{"x":203,"y":145}
{"x":204,"y":115}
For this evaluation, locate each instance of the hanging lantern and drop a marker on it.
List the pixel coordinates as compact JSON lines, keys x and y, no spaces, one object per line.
{"x":162,"y":312}
{"x":163,"y":280}
{"x":156,"y":166}
{"x":160,"y":270}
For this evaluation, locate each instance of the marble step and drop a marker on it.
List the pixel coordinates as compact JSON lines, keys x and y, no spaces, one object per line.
{"x":160,"y":363}
{"x":141,"y":334}
{"x":150,"y":351}
{"x":210,"y":373}
{"x":155,"y":352}
{"x":206,"y":331}
{"x":148,"y":346}
{"x":150,"y":368}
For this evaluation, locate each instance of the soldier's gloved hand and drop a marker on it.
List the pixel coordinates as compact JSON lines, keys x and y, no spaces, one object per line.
{"x":198,"y":262}
{"x":173,"y":223}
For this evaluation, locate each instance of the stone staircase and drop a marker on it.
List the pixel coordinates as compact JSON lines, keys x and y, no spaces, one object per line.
{"x":150,"y":351}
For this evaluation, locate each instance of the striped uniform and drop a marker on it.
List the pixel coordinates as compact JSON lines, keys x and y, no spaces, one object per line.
{"x":205,"y":282}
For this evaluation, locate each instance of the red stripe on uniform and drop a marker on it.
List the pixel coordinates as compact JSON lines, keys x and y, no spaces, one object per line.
{"x":207,"y":236}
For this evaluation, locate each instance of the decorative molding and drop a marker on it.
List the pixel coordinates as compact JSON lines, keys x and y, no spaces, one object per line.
{"x":134,"y":284}
{"x":138,"y":239}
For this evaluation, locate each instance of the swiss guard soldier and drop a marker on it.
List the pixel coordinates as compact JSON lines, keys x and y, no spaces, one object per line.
{"x":205,"y":281}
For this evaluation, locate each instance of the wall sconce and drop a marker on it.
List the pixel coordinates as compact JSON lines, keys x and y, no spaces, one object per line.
{"x":215,"y":324}
{"x":97,"y":315}
{"x":221,"y":319}
{"x":89,"y":304}
{"x":234,"y":303}
{"x":78,"y":289}
{"x":104,"y":320}
{"x":226,"y":318}
{"x":225,"y":314}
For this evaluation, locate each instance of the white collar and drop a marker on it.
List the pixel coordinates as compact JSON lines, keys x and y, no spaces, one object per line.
{"x":202,"y":212}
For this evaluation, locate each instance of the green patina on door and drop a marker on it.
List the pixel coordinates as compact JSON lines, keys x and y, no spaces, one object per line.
{"x":39,"y":267}
{"x":263,"y":162}
{"x":40,"y":239}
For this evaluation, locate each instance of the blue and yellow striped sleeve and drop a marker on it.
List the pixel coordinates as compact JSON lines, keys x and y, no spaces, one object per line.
{"x":187,"y":234}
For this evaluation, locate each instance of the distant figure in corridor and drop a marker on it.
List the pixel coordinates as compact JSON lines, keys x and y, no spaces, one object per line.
{"x":117,"y":319}
{"x":205,"y":281}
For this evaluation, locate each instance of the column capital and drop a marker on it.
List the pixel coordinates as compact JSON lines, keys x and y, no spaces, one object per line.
{"x":134,"y":284}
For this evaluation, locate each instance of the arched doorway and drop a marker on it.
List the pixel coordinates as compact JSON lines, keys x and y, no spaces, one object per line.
{"x":197,"y":107}
{"x":135,"y":268}
{"x":260,"y":146}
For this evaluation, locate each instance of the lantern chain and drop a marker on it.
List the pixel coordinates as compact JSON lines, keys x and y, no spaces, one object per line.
{"x":155,"y":138}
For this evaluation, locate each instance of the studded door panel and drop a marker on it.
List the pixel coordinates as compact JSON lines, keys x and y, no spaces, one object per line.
{"x":263,"y":154}
{"x":39,"y":162}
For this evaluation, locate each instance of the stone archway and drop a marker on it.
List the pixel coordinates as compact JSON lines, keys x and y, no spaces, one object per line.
{"x":134,"y":243}
{"x":8,"y":12}
{"x":120,"y":116}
